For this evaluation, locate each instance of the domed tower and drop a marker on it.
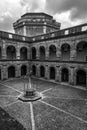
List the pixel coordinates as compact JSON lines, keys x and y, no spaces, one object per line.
{"x":32,"y":24}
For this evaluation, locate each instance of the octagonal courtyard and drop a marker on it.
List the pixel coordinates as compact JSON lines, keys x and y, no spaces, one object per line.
{"x":61,"y":108}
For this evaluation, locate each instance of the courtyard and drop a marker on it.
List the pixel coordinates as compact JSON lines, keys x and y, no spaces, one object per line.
{"x":61,"y":108}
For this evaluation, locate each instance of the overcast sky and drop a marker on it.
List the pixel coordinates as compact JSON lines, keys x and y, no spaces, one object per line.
{"x":68,"y":12}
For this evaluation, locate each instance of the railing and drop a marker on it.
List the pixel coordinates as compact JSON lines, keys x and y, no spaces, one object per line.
{"x":76,"y":30}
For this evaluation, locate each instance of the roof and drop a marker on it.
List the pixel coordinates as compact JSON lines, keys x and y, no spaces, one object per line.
{"x":37,"y":13}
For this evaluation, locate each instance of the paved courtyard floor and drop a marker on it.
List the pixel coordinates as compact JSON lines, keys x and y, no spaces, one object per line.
{"x":61,"y":108}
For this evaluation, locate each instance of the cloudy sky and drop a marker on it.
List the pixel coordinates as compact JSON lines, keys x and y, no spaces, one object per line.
{"x":68,"y":12}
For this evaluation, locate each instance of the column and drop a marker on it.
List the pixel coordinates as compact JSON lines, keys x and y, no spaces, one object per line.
{"x":73,"y":53}
{"x":71,"y":76}
{"x":58,"y":73}
{"x":37,"y":53}
{"x":18,"y":52}
{"x":28,"y":53}
{"x":4,"y":72}
{"x":38,"y":71}
{"x":86,"y":79}
{"x":18,"y":70}
{"x":58,"y":53}
{"x":46,"y":72}
{"x":4,"y":56}
{"x":47,"y":53}
{"x":25,"y":31}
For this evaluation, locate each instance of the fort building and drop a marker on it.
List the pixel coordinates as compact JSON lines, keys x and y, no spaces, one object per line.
{"x":53,"y":54}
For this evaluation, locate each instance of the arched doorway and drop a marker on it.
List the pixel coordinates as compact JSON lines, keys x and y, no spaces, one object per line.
{"x":81,"y":78}
{"x":34,"y":70}
{"x":33,"y":53}
{"x":81,"y":51}
{"x":65,"y":75}
{"x":42,"y":53}
{"x":42,"y":71}
{"x":11,"y":72}
{"x":65,"y":52}
{"x":52,"y":52}
{"x":11,"y":52}
{"x":52,"y":73}
{"x":23,"y":53}
{"x":23,"y":70}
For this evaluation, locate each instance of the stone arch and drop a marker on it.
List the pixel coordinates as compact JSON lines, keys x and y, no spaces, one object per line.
{"x":52,"y":51}
{"x":23,"y":70}
{"x":33,"y":53}
{"x":11,"y":52}
{"x":52,"y":73}
{"x":11,"y":72}
{"x":81,"y":50}
{"x":65,"y":52}
{"x":64,"y":75}
{"x":42,"y":52}
{"x":81,"y":77}
{"x":23,"y":53}
{"x":42,"y":71}
{"x":34,"y":70}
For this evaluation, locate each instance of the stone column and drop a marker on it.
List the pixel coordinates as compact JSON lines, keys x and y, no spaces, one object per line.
{"x":46,"y":72}
{"x":28,"y":53}
{"x":58,"y":73}
{"x":71,"y":76}
{"x":25,"y":31}
{"x":73,"y":53}
{"x":58,"y":53}
{"x":47,"y":53}
{"x":18,"y":71}
{"x":4,"y":56}
{"x":4,"y":74}
{"x":37,"y":53}
{"x":38,"y":71}
{"x":18,"y":52}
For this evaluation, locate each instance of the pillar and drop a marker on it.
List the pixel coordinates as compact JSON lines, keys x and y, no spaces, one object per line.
{"x":38,"y":71}
{"x":73,"y":53}
{"x":4,"y":72}
{"x":46,"y":72}
{"x":18,"y":52}
{"x":58,"y":53}
{"x":4,"y":56}
{"x":58,"y":73}
{"x":71,"y":76}
{"x":28,"y":53}
{"x":37,"y":53}
{"x":47,"y":53}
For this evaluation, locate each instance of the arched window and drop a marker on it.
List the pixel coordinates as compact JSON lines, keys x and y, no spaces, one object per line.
{"x":81,"y":78}
{"x":11,"y":52}
{"x":65,"y":75}
{"x":81,"y":51}
{"x":34,"y":70}
{"x":42,"y":53}
{"x":52,"y":52}
{"x":42,"y":71}
{"x":65,"y":52}
{"x":23,"y":70}
{"x":11,"y":72}
{"x":23,"y":53}
{"x":52,"y":73}
{"x":33,"y":53}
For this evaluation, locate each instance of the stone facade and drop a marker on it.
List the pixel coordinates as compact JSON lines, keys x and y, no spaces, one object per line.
{"x":58,"y":56}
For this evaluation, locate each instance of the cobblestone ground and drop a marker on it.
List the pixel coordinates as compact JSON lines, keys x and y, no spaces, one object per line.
{"x":61,"y":107}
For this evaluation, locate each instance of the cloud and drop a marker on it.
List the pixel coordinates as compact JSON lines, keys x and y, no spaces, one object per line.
{"x":78,"y":8}
{"x":32,"y":5}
